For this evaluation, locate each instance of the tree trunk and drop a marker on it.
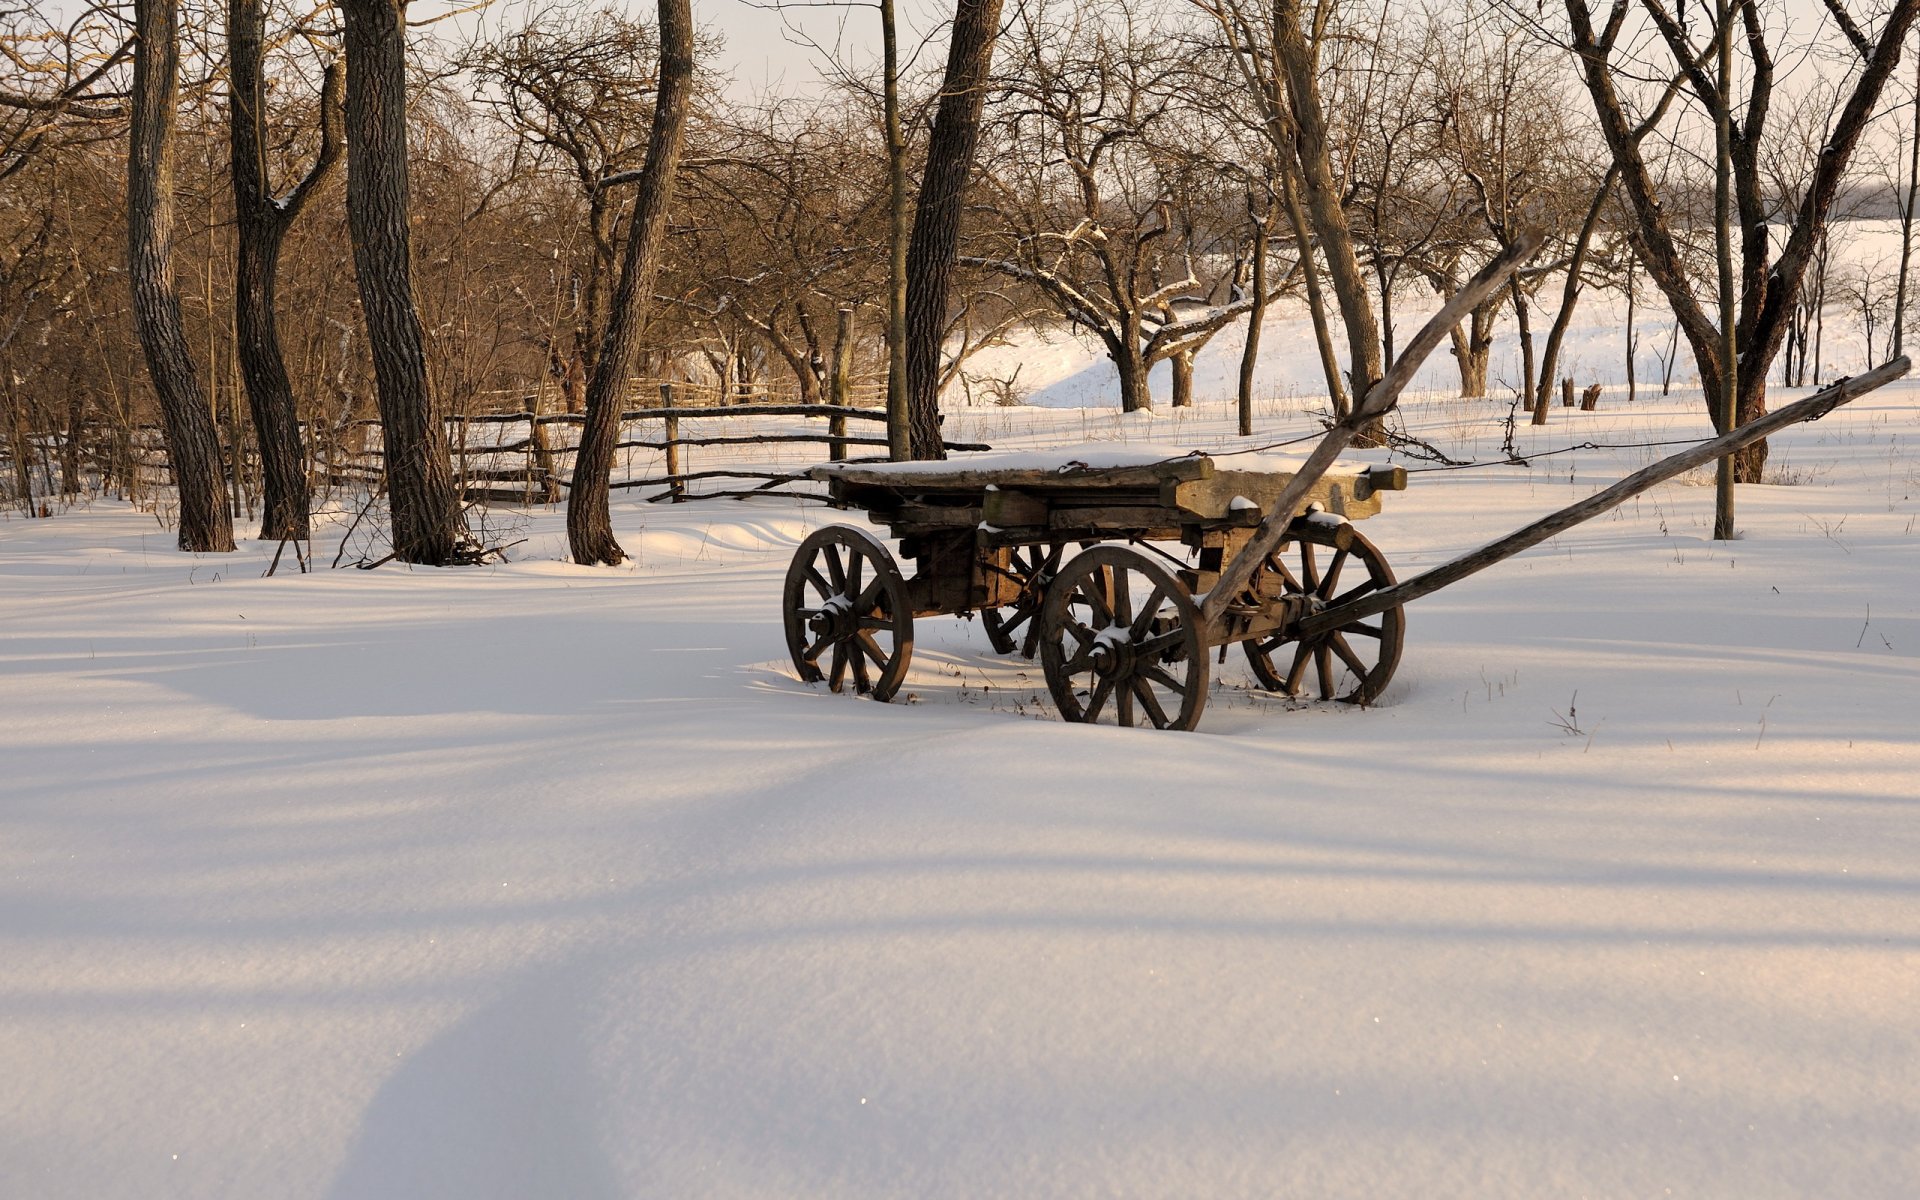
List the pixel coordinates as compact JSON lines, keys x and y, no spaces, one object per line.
{"x":261,"y":224}
{"x":193,"y":443}
{"x":1323,"y":205}
{"x":1181,"y":365}
{"x":936,"y":221}
{"x":1906,"y":221}
{"x":589,"y":520}
{"x":899,"y":372}
{"x":1250,"y":352}
{"x":1474,"y":366}
{"x":70,"y":444}
{"x":1570,"y":291}
{"x":1633,"y":336}
{"x":1386,"y":311}
{"x":1316,"y":299}
{"x":420,"y":490}
{"x":1132,"y":369}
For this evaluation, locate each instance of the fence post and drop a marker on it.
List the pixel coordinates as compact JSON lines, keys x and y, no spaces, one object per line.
{"x":838,"y":383}
{"x":670,"y":435}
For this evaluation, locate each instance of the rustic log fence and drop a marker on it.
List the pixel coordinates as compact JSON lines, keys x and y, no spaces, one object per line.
{"x":523,"y":457}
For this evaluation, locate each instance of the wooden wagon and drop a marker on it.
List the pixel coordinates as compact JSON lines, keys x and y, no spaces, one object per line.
{"x":1125,"y":629}
{"x":1116,"y":625}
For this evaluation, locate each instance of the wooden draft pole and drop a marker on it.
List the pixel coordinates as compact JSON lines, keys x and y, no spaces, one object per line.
{"x":1377,"y":403}
{"x":1811,"y":409}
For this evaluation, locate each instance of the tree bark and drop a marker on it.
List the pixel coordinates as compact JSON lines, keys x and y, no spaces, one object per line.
{"x":193,"y":442}
{"x":589,"y":521}
{"x":1906,"y":220}
{"x":936,"y":221}
{"x":1316,"y":298}
{"x":420,"y":489}
{"x":899,"y":405}
{"x":1250,"y":352}
{"x":1180,"y":363}
{"x":261,"y":224}
{"x":1131,"y":366}
{"x":1323,"y":206}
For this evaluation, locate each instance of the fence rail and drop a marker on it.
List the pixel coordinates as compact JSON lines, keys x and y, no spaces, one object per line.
{"x":528,"y":464}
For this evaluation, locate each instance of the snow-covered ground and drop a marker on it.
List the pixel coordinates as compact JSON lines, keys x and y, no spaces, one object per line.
{"x":539,"y":880}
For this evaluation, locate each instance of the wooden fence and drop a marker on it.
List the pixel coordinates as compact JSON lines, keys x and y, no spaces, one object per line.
{"x":525,"y":457}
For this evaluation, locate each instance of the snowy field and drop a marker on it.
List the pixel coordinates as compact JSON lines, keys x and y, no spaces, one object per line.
{"x":545,"y":881}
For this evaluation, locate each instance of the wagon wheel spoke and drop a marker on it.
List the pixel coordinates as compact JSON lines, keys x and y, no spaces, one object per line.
{"x":1278,"y":566}
{"x":1162,"y":676}
{"x":873,"y":622}
{"x":871,"y":649}
{"x":1095,"y":595}
{"x":1101,"y":690}
{"x":1021,"y":616}
{"x":862,"y":682}
{"x":1309,"y":577}
{"x":1030,"y":645}
{"x":1123,"y":704}
{"x":838,"y":678}
{"x":870,"y":597}
{"x":1150,"y":702}
{"x":1081,"y":659}
{"x":1323,"y":669}
{"x":1160,"y":644}
{"x":1354,"y":593}
{"x":1031,"y":568}
{"x":1347,"y":656}
{"x":819,"y":582}
{"x":1331,"y":579}
{"x":1122,"y":613}
{"x":1363,"y":629}
{"x":1143,"y":620}
{"x":836,"y":571}
{"x":1297,"y":673}
{"x":856,"y":563}
{"x":813,"y":652}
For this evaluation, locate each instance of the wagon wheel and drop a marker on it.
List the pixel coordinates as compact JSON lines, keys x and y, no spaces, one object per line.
{"x":846,"y":613}
{"x":1120,"y":639}
{"x":1351,"y":663}
{"x":1017,"y":626}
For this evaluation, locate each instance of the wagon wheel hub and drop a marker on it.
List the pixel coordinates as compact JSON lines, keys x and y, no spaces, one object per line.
{"x":1112,"y":652}
{"x":835,"y":619}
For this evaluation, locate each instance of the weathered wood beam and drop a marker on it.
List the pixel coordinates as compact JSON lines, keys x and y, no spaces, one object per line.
{"x":1811,"y":409}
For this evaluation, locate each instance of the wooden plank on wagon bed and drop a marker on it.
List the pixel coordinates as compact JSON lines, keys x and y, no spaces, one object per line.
{"x":1007,"y":507}
{"x":966,"y":477}
{"x":1118,"y":519}
{"x":1348,"y":495}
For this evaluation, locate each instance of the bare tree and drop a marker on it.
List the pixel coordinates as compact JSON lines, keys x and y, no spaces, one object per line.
{"x":1769,"y":282}
{"x":589,"y":521}
{"x":576,"y":90}
{"x":936,"y":222}
{"x":427,"y":526}
{"x":193,"y":443}
{"x":1096,"y":137}
{"x":261,"y":221}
